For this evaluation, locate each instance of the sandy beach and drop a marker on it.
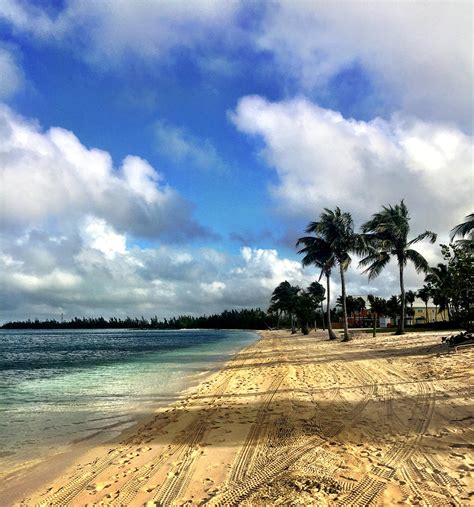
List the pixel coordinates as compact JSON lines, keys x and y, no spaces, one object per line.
{"x":294,"y":420}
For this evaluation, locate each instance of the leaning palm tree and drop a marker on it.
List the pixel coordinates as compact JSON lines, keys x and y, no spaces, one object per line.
{"x":337,"y":230}
{"x":318,"y":252}
{"x":386,"y":236}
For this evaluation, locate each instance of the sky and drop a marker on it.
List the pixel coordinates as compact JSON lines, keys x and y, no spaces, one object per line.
{"x":162,"y":157}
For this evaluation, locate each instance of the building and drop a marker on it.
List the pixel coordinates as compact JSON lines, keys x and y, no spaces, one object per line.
{"x":421,"y":312}
{"x":416,"y":314}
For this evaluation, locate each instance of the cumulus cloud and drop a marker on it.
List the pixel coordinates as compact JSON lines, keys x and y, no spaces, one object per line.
{"x":323,"y":160}
{"x":110,"y":30}
{"x":97,"y":234}
{"x":51,"y":177}
{"x":102,"y":275}
{"x":185,"y":149}
{"x":418,"y":53}
{"x":11,"y":75}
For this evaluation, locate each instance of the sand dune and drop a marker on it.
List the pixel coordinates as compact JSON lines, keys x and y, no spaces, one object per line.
{"x":298,"y":420}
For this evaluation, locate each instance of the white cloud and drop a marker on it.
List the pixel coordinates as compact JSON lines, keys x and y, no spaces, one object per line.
{"x":11,"y":80}
{"x":96,"y":273}
{"x":107,"y":31}
{"x":325,"y":160}
{"x":186,"y":149}
{"x":56,"y":280}
{"x":419,"y":54}
{"x":51,"y":177}
{"x":96,"y":233}
{"x":85,"y":275}
{"x":269,"y":269}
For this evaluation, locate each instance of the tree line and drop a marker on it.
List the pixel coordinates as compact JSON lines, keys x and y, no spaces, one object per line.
{"x":384,"y":236}
{"x":228,"y":319}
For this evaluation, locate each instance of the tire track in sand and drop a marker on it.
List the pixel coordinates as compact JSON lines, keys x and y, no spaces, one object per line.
{"x":81,"y":480}
{"x":181,"y":446}
{"x":185,"y":448}
{"x":375,"y":481}
{"x":277,"y":463}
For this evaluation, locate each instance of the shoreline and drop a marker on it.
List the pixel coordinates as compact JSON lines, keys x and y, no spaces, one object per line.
{"x":37,"y":472}
{"x":292,"y":417}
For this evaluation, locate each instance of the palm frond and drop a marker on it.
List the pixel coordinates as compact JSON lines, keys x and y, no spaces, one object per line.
{"x":375,"y":263}
{"x":464,"y":228}
{"x":316,"y":252}
{"x":425,"y":235}
{"x":420,"y":263}
{"x":312,"y":227}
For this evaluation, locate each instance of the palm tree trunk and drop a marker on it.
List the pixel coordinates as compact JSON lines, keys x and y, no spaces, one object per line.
{"x":344,"y":309}
{"x":374,"y":317}
{"x":331,"y":334}
{"x":401,"y":325}
{"x":293,"y":324}
{"x":322,"y":316}
{"x":426,"y":311}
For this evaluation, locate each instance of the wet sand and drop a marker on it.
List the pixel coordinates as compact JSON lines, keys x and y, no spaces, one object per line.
{"x":295,"y":420}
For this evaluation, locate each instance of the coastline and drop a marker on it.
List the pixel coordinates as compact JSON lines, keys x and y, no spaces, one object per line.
{"x":25,"y":478}
{"x":294,"y":417}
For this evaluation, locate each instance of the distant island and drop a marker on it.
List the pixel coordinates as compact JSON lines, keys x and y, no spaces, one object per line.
{"x":228,"y":319}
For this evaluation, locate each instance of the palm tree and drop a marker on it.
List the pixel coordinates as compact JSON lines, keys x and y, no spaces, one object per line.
{"x":284,"y":300}
{"x":465,"y":228}
{"x":337,"y":230}
{"x":410,"y":297}
{"x":317,"y":292}
{"x":360,"y":305}
{"x":378,"y":306}
{"x":317,"y":252}
{"x":304,"y":310}
{"x":393,"y":307}
{"x":424,"y":294}
{"x":439,"y":277}
{"x":386,"y":236}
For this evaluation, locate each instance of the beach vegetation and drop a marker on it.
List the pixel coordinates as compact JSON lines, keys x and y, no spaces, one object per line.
{"x":336,"y":229}
{"x":318,"y":294}
{"x":456,"y":282}
{"x":317,"y":252}
{"x":386,"y":237}
{"x":253,"y":318}
{"x":284,"y":300}
{"x":464,"y":229}
{"x":425,"y":295}
{"x":378,"y":307}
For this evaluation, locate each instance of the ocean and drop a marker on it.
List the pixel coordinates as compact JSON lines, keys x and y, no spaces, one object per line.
{"x":63,"y":388}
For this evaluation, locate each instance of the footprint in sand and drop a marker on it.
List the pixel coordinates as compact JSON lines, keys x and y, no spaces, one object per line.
{"x":99,"y":486}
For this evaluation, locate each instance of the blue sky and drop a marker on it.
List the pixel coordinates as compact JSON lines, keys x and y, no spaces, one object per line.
{"x":230,"y":126}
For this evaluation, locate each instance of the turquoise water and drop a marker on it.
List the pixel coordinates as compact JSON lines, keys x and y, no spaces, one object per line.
{"x":62,"y":387}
